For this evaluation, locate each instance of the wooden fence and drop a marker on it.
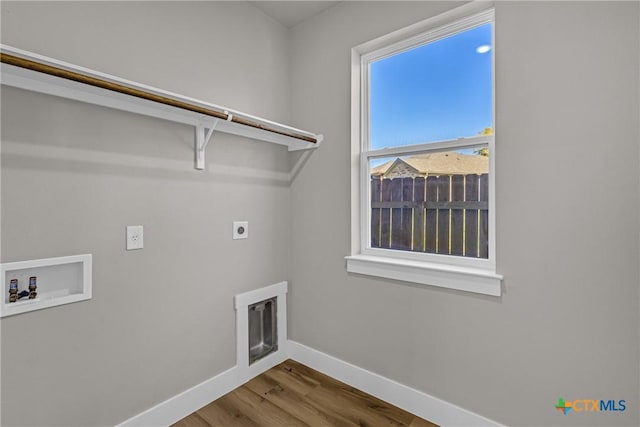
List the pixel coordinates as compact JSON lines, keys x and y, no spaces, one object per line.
{"x":445,"y":214}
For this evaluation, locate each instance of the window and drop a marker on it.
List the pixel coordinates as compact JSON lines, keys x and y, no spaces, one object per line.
{"x":423,"y":139}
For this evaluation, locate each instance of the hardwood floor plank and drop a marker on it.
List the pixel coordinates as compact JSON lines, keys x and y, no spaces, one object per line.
{"x":193,"y":420}
{"x":419,"y":422}
{"x":291,"y":402}
{"x":340,"y":402}
{"x":378,"y":406}
{"x":262,"y":384}
{"x":293,"y":395}
{"x":261,"y":410}
{"x":354,"y":398}
{"x":223,"y":412}
{"x":290,"y":373}
{"x":309,"y":375}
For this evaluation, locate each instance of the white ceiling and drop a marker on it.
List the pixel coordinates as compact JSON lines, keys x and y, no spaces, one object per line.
{"x":291,"y":13}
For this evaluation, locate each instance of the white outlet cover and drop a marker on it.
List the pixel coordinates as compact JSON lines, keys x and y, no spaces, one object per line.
{"x":240,"y":230}
{"x":135,"y":237}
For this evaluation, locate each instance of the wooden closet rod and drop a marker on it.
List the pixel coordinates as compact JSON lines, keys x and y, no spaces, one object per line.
{"x":104,"y":84}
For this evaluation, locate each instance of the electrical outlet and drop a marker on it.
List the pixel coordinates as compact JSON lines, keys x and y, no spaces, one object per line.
{"x":240,"y":230}
{"x":135,"y":237}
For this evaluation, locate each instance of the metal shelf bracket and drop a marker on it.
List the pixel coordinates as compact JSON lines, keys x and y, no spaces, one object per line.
{"x":203,"y":136}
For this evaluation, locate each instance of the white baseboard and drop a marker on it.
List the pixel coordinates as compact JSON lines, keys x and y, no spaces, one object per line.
{"x":183,"y":404}
{"x":411,"y":400}
{"x":407,"y":398}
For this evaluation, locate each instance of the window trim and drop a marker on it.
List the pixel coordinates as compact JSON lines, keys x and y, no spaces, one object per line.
{"x":468,"y":274}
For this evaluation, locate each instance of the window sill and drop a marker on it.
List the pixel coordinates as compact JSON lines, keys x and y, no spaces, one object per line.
{"x":444,"y":276}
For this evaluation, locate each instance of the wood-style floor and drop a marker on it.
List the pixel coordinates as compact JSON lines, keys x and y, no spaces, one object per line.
{"x":292,"y":394}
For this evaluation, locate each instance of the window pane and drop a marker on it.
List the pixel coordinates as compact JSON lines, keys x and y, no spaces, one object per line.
{"x":435,"y":202}
{"x":435,"y":92}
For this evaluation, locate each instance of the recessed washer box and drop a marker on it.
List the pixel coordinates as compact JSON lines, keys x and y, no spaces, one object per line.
{"x":61,"y":280}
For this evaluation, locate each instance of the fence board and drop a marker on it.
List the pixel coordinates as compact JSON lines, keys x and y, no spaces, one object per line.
{"x":376,"y":196}
{"x":484,"y":217}
{"x":418,"y":215}
{"x":457,"y":216}
{"x":385,"y":215}
{"x":397,"y":226}
{"x":431,"y":230}
{"x":443,"y":215}
{"x":471,"y":217}
{"x":407,"y":215}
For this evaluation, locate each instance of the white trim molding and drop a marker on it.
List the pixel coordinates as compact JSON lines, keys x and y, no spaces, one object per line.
{"x":181,"y":405}
{"x":470,"y":274}
{"x":441,"y":275}
{"x":409,"y":399}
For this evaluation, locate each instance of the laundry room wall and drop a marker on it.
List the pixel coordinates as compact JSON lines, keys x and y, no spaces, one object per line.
{"x":567,"y":220}
{"x":74,"y":175}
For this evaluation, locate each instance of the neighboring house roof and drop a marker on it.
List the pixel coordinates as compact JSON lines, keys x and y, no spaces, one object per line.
{"x":441,"y":163}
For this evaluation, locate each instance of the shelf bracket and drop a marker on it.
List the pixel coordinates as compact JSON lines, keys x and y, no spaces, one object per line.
{"x":203,"y":136}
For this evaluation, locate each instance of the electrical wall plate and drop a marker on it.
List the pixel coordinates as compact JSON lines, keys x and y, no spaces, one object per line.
{"x":240,"y":230}
{"x":135,"y":237}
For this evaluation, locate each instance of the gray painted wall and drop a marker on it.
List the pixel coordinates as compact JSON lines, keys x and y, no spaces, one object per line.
{"x":73,"y":176}
{"x":161,"y":320}
{"x":567,"y":220}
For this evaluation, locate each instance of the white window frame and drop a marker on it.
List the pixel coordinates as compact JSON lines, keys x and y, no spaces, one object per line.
{"x":454,"y":272}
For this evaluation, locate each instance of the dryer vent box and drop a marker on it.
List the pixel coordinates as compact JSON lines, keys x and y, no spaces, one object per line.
{"x":263,"y":330}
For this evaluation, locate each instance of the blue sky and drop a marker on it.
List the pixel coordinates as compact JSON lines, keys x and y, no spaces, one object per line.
{"x":435,"y":92}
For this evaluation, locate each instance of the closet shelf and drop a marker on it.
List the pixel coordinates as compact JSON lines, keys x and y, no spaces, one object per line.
{"x":34,"y":72}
